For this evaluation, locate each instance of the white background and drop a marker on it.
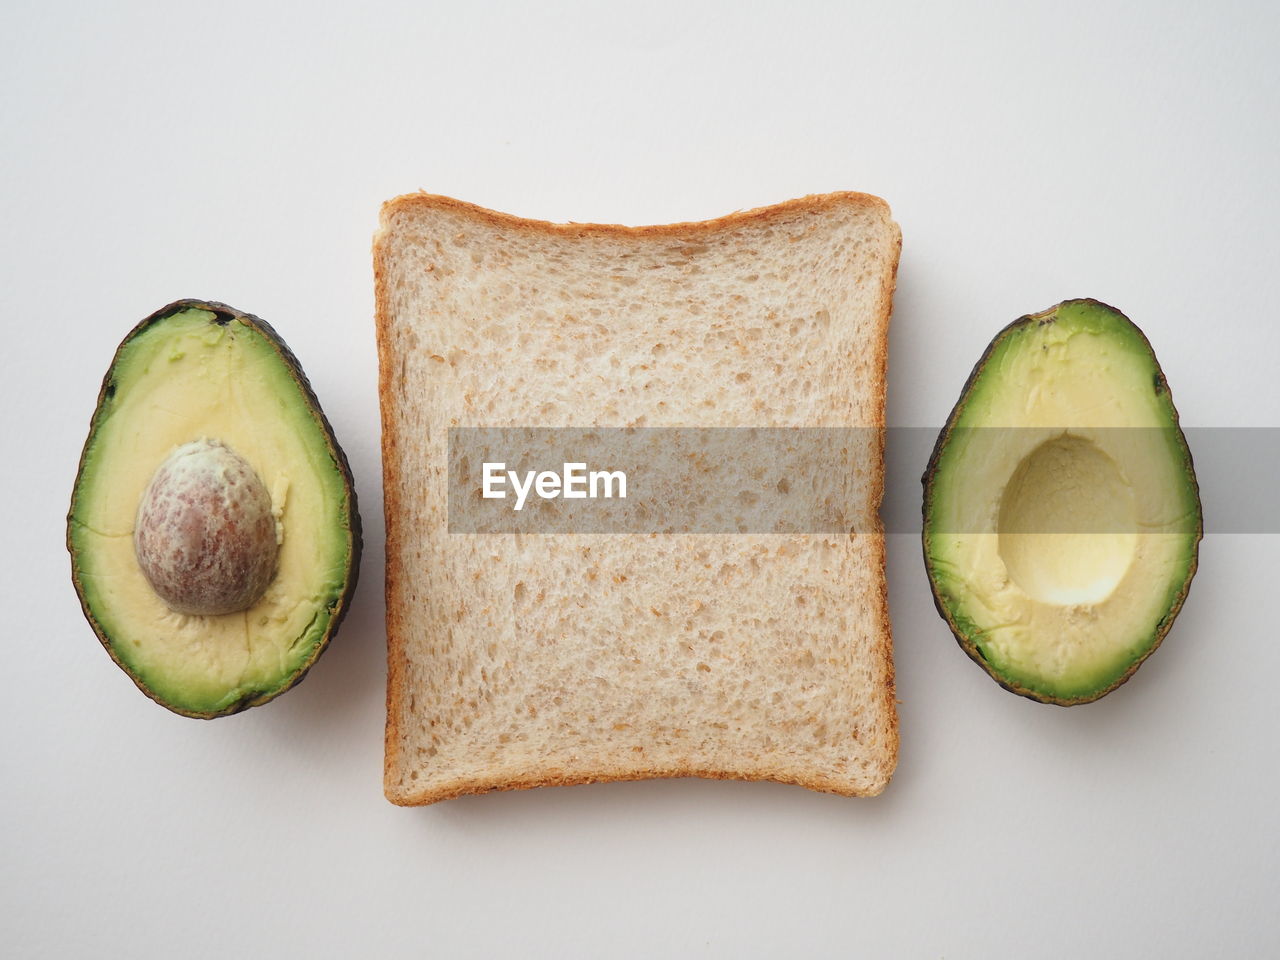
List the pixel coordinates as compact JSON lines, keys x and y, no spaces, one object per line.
{"x":1031,"y":152}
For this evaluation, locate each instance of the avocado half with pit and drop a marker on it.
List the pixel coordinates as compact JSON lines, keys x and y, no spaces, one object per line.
{"x":1062,"y":518}
{"x":213,"y":531}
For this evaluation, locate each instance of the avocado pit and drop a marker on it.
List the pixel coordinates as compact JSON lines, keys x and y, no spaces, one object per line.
{"x":205,"y":536}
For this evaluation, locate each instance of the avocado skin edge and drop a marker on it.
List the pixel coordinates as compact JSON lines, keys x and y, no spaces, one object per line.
{"x":225,"y":314}
{"x":1166,"y":622}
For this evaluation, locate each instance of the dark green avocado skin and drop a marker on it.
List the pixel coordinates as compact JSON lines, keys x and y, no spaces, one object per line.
{"x":225,"y":314}
{"x":965,"y":641}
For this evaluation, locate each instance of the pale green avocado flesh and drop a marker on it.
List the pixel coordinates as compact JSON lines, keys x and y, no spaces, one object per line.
{"x":193,"y":371}
{"x":1061,"y":513}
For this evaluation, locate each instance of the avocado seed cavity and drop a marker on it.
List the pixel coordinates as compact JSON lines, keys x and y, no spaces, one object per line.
{"x":205,"y":535}
{"x":1068,"y":528}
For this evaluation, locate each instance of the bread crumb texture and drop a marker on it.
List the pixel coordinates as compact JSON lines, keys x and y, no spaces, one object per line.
{"x":519,"y":660}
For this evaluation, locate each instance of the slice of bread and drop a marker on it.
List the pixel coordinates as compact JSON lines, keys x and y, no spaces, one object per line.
{"x":521,"y":660}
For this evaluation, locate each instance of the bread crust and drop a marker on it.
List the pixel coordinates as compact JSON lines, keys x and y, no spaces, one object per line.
{"x":394,"y":510}
{"x":813,"y":203}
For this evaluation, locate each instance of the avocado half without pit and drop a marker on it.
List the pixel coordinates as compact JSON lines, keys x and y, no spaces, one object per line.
{"x":1062,"y":518}
{"x":214,"y":535}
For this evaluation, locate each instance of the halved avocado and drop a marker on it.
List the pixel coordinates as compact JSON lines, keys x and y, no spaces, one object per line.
{"x":202,"y":383}
{"x":1062,"y":517}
